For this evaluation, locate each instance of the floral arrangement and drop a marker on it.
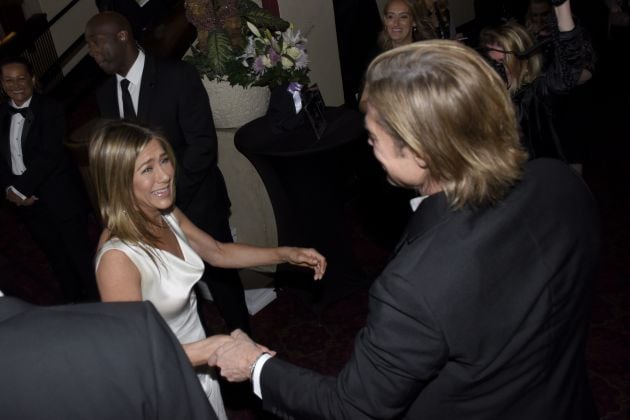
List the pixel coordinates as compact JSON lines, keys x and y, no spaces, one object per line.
{"x":272,"y":59}
{"x":242,"y":43}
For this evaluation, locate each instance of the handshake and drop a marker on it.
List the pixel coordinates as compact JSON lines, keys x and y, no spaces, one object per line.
{"x":235,"y":355}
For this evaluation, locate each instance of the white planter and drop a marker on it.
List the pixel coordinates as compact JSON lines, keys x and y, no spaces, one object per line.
{"x":233,"y":106}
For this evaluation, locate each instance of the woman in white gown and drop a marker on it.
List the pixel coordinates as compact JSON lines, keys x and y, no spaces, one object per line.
{"x":150,"y":250}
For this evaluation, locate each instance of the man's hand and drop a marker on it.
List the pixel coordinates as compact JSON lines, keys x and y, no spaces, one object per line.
{"x":235,"y":358}
{"x":30,"y":201}
{"x":18,"y":201}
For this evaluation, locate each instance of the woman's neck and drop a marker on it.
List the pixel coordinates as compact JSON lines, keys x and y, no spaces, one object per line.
{"x":157,"y":223}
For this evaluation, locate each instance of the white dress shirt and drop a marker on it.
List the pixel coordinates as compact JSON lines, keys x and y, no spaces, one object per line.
{"x":415,"y":202}
{"x":257,"y":371}
{"x":134,"y":75}
{"x":15,"y":143}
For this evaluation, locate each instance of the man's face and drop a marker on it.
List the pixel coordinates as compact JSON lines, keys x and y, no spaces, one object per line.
{"x":403,"y":167}
{"x":17,"y":82}
{"x":107,"y":46}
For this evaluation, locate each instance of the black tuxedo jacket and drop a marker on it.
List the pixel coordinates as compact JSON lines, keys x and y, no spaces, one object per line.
{"x":173,"y":100}
{"x":94,"y":361}
{"x":481,"y":314}
{"x":49,"y":175}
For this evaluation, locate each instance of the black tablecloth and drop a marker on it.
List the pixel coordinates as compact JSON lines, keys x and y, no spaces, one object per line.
{"x":306,"y":179}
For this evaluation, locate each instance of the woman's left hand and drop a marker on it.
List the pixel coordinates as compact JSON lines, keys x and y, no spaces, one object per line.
{"x":306,"y":257}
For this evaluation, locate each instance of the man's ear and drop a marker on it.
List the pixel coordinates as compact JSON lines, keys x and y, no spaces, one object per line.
{"x":122,"y":36}
{"x":35,"y":82}
{"x":420,"y":162}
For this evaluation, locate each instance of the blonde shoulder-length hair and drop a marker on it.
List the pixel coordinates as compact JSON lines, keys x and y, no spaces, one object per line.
{"x":514,"y":39}
{"x":443,"y":101}
{"x":114,"y":149}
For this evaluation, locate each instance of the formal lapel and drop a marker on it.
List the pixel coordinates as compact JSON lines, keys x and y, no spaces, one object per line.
{"x":29,"y":120}
{"x":108,"y":99}
{"x":432,"y":211}
{"x":112,"y":98}
{"x":147,"y":88}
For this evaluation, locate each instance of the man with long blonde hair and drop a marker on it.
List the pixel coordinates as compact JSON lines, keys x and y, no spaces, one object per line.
{"x":482,"y":311}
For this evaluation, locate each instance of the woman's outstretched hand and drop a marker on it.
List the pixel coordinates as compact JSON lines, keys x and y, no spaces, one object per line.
{"x":306,"y":257}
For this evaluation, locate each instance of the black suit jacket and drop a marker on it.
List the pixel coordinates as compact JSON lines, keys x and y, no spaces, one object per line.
{"x":173,"y":100}
{"x":481,"y":314}
{"x":49,"y":175}
{"x":94,"y":361}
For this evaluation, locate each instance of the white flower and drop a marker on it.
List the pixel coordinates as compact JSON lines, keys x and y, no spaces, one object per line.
{"x":301,"y":62}
{"x":253,"y":28}
{"x":293,"y":52}
{"x":267,"y":61}
{"x":287,"y":63}
{"x":292,"y":38}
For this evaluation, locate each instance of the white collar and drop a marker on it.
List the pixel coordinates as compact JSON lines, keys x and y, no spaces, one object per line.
{"x":24,"y":105}
{"x":134,"y":75}
{"x":415,"y":202}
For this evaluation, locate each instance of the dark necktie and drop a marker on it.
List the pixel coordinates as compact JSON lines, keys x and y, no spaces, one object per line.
{"x":23,"y":111}
{"x":129,"y":112}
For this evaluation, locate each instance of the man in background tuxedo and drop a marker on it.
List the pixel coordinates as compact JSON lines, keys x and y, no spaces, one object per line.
{"x":94,"y":361}
{"x":39,"y":181}
{"x":169,"y":96}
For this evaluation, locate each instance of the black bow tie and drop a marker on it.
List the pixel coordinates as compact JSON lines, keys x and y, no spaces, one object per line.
{"x":23,"y":111}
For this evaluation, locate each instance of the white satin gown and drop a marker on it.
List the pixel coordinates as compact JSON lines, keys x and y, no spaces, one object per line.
{"x":168,"y":285}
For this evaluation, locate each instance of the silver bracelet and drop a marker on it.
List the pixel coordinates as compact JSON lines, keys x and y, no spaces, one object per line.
{"x":253,"y":365}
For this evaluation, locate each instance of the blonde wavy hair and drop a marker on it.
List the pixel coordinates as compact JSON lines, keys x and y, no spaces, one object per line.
{"x":443,"y":101}
{"x":514,"y":39}
{"x":114,"y":149}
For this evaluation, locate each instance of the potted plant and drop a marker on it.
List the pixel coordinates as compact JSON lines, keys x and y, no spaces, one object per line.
{"x":242,"y":45}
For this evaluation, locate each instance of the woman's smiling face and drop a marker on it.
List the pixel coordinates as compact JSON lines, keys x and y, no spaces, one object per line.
{"x":153,"y":179}
{"x":399,"y":23}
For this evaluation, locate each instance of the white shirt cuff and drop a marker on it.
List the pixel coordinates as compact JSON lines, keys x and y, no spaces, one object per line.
{"x":16,"y":192}
{"x":257,"y":371}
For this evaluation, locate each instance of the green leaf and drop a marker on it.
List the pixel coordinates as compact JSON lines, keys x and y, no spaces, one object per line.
{"x":219,"y":52}
{"x":260,"y":17}
{"x":237,"y":74}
